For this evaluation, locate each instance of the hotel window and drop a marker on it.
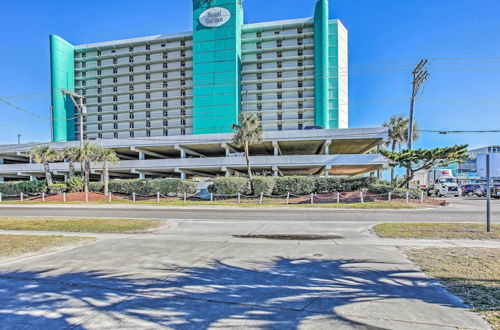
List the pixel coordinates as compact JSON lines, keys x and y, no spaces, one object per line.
{"x":99,"y":109}
{"x":165,"y":55}
{"x":279,"y":74}
{"x":183,"y":83}
{"x":148,"y":86}
{"x":183,"y":43}
{"x":148,"y":124}
{"x":165,"y":85}
{"x":84,"y":92}
{"x":259,"y":87}
{"x":148,"y":133}
{"x":300,"y":52}
{"x":260,"y":116}
{"x":148,"y":67}
{"x":183,"y":92}
{"x":259,"y":97}
{"x":300,"y":42}
{"x":165,"y":122}
{"x":131,"y":88}
{"x":84,"y":65}
{"x":280,"y":116}
{"x":183,"y":122}
{"x":130,"y":69}
{"x":165,"y":132}
{"x":85,"y":55}
{"x":115,"y":70}
{"x":279,"y":85}
{"x":131,"y":49}
{"x":131,"y":78}
{"x":99,"y":90}
{"x":183,"y":103}
{"x":183,"y":73}
{"x":259,"y":107}
{"x":115,"y":98}
{"x":131,"y":59}
{"x":183,"y":53}
{"x":99,"y":53}
{"x":131,"y":115}
{"x":148,"y":105}
{"x":183,"y":131}
{"x":165,"y":103}
{"x":115,"y":135}
{"x":301,"y":115}
{"x":148,"y":47}
{"x":300,"y":73}
{"x":115,"y":89}
{"x":148,"y":76}
{"x":259,"y":34}
{"x":99,"y":72}
{"x":115,"y":80}
{"x":165,"y":94}
{"x":131,"y":134}
{"x":165,"y":113}
{"x":259,"y":76}
{"x":99,"y":99}
{"x":115,"y":61}
{"x":183,"y":112}
{"x":259,"y":56}
{"x":280,"y":54}
{"x":99,"y":63}
{"x":183,"y":63}
{"x":300,"y":94}
{"x":300,"y":30}
{"x":115,"y":117}
{"x":84,"y":74}
{"x":280,"y":65}
{"x":300,"y":63}
{"x":115,"y":107}
{"x":99,"y":118}
{"x":165,"y":74}
{"x":148,"y":95}
{"x":148,"y":114}
{"x":113,"y":51}
{"x":276,"y":32}
{"x":259,"y":45}
{"x":280,"y":127}
{"x":300,"y":84}
{"x":280,"y":106}
{"x":280,"y":96}
{"x":131,"y":106}
{"x":300,"y":126}
{"x":131,"y":97}
{"x":301,"y":105}
{"x":163,"y":45}
{"x":99,"y":135}
{"x":165,"y":65}
{"x":148,"y":57}
{"x":131,"y":124}
{"x":279,"y":43}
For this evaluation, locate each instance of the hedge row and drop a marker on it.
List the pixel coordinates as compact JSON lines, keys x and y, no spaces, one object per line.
{"x":295,"y":185}
{"x":146,"y":187}
{"x":383,"y":189}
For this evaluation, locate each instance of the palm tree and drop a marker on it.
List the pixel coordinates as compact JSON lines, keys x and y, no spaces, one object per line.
{"x":44,"y":155}
{"x":246,"y":133}
{"x":106,"y":156}
{"x":88,"y":154}
{"x":72,"y":155}
{"x":398,"y":134}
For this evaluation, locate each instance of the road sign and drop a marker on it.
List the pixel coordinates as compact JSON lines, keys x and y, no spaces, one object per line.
{"x":494,"y":165}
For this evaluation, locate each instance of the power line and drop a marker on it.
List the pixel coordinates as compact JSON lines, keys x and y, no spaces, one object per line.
{"x":458,"y":132}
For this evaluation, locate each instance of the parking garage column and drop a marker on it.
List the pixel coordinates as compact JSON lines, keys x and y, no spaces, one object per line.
{"x":1,"y":179}
{"x":327,"y":147}
{"x":142,"y":156}
{"x":327,"y":170}
{"x":276,"y":147}
{"x":276,"y":171}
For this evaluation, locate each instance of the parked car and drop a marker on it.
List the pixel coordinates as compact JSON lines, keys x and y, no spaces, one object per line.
{"x":469,"y":189}
{"x":495,"y":191}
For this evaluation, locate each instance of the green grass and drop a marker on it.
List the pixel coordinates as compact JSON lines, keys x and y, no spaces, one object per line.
{"x":473,"y":274}
{"x":437,"y":230}
{"x":15,"y":245}
{"x":245,"y":204}
{"x":90,"y":225}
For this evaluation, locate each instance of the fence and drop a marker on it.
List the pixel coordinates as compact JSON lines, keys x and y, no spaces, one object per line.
{"x":211,"y":198}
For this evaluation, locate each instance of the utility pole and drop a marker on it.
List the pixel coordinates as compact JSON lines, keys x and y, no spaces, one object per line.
{"x":18,"y":138}
{"x":419,"y":77}
{"x":82,"y":110}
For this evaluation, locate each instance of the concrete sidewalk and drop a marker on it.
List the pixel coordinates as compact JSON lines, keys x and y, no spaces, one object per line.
{"x":195,"y":274}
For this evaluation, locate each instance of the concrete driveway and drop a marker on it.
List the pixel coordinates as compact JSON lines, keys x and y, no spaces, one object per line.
{"x":194,"y":274}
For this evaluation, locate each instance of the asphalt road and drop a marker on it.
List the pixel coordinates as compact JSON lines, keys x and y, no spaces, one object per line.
{"x":462,"y":210}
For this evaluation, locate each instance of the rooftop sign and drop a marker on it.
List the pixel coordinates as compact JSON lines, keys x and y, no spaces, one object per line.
{"x":215,"y":16}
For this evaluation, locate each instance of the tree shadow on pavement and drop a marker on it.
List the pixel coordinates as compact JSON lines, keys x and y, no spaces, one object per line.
{"x":285,"y":293}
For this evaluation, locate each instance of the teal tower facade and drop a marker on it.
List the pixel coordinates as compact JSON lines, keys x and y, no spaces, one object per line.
{"x":62,"y":69}
{"x":216,"y":65}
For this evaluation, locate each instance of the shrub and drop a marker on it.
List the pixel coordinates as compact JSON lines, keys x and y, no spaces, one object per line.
{"x":332,"y":184}
{"x":230,"y":186}
{"x":175,"y":187}
{"x":96,"y":187}
{"x":57,"y":188}
{"x":295,"y":185}
{"x":25,"y":187}
{"x":143,"y":187}
{"x":381,"y":189}
{"x":75,"y":184}
{"x":263,"y":184}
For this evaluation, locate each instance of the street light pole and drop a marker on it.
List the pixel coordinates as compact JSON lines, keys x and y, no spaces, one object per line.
{"x":82,"y":110}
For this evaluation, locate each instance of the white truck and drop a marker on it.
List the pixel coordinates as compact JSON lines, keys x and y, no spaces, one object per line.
{"x":440,"y":182}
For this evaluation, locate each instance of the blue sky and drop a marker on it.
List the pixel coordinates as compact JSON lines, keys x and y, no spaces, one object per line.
{"x":386,"y":38}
